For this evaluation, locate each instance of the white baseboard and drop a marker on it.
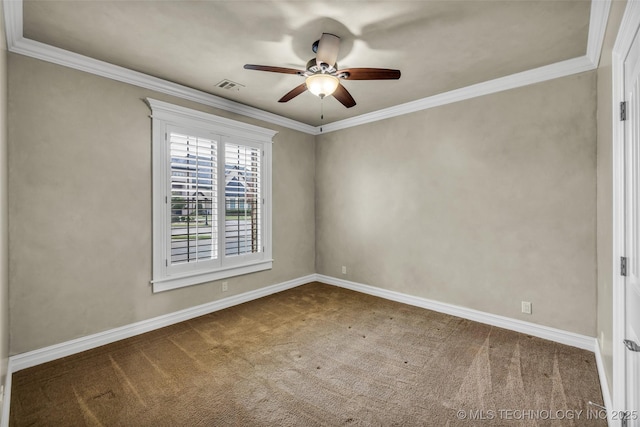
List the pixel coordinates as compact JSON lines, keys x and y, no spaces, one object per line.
{"x":540,"y":331}
{"x":604,"y":383}
{"x":552,"y":334}
{"x":47,"y":354}
{"x":57,"y":351}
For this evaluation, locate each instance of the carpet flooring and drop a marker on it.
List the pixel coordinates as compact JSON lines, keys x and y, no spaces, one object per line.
{"x":316,"y":355}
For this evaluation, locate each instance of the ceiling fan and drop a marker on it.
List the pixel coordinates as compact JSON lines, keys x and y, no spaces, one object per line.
{"x":322,"y":73}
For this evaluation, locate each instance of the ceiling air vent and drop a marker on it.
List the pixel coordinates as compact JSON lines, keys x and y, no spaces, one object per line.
{"x":229,"y":85}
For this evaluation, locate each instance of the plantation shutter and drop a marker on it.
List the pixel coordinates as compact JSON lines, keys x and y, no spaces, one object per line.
{"x":243,"y":200}
{"x":193,"y":198}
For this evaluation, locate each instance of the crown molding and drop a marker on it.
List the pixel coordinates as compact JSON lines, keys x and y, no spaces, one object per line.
{"x":16,"y":43}
{"x":12,"y":10}
{"x":69,"y":59}
{"x":597,"y":28}
{"x":537,"y":75}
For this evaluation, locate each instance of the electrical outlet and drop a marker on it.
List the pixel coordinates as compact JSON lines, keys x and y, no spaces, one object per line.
{"x":526,"y":307}
{"x":225,"y":286}
{"x":344,"y":269}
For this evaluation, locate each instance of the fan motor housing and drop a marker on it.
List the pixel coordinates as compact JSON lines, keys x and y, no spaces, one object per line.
{"x":313,"y":67}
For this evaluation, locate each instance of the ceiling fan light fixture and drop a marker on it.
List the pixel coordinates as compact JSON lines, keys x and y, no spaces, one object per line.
{"x":322,"y":84}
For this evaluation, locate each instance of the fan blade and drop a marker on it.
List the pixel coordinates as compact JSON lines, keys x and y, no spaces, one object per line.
{"x":293,"y":93}
{"x":370,"y":74}
{"x":343,"y":95}
{"x":328,"y":49}
{"x":272,"y":69}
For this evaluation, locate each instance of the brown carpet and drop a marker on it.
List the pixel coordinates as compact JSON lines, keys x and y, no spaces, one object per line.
{"x":316,"y":355}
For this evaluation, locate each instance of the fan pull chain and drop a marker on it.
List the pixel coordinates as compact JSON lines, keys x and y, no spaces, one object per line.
{"x":321,"y":113}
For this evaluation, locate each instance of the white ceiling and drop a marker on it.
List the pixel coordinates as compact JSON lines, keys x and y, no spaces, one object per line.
{"x":438,"y":45}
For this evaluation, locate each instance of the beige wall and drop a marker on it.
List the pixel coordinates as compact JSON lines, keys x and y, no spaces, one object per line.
{"x":4,"y":217}
{"x":482,"y":203}
{"x":80,"y":207}
{"x":605,"y":192}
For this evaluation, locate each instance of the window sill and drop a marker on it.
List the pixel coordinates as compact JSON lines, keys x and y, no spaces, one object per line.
{"x":175,"y":282}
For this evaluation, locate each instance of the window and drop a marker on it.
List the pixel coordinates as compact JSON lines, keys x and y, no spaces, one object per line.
{"x":211,"y":197}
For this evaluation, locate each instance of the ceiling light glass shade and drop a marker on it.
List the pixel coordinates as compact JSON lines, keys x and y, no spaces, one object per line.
{"x":322,"y":84}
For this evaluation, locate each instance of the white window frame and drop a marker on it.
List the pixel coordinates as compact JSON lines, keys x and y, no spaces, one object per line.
{"x":165,"y":117}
